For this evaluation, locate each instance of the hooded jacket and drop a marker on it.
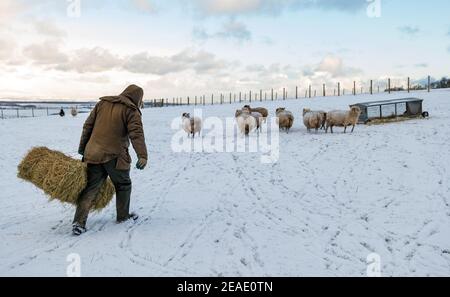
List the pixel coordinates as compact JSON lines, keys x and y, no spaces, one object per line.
{"x":113,"y":122}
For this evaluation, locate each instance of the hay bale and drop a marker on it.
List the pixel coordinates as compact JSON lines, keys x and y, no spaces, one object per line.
{"x":60,"y":177}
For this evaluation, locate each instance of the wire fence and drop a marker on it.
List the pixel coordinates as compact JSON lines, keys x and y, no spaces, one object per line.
{"x":370,"y":87}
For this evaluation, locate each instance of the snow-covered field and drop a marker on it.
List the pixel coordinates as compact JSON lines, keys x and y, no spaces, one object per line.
{"x":329,"y":202}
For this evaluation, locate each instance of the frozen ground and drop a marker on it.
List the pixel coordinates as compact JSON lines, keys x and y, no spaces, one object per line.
{"x":330,"y":201}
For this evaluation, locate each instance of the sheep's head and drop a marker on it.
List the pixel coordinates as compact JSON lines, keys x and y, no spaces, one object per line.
{"x":247,"y":106}
{"x":238,"y":112}
{"x":281,"y":109}
{"x":186,"y":115}
{"x":355,"y":110}
{"x":306,"y":110}
{"x":246,"y":109}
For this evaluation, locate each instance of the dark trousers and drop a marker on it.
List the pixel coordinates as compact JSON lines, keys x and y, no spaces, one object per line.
{"x":97,"y":175}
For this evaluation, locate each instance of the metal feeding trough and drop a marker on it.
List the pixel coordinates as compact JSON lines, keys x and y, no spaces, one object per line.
{"x":390,"y":109}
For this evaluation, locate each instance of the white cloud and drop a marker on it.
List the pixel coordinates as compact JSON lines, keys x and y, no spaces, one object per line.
{"x":335,"y":67}
{"x":199,"y":61}
{"x":7,"y":48}
{"x":48,"y":28}
{"x":47,"y":53}
{"x":91,"y":60}
{"x":9,"y":9}
{"x":144,"y":5}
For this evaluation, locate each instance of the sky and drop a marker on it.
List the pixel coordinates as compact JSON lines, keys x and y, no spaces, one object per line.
{"x":85,"y":49}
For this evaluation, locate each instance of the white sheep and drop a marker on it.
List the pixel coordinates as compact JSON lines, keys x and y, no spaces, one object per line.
{"x":285,"y":119}
{"x":246,"y":121}
{"x":191,"y":125}
{"x":343,"y":118}
{"x":312,"y":120}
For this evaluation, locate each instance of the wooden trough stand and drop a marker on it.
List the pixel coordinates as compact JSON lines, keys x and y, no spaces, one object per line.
{"x":391,"y":109}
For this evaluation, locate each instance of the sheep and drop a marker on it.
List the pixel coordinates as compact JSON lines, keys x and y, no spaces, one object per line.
{"x":285,"y":119}
{"x":246,"y":121}
{"x":312,"y":119}
{"x":192,"y":126}
{"x":343,"y":119}
{"x":323,"y":115}
{"x":263,"y":111}
{"x":73,"y":111}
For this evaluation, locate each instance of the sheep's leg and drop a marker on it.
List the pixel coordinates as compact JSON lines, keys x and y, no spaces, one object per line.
{"x":331,"y":128}
{"x":353,"y":129}
{"x":345,"y":129}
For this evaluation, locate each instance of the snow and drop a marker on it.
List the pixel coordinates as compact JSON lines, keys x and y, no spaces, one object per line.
{"x":329,"y":202}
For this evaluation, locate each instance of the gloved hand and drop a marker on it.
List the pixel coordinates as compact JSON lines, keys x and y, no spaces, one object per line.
{"x":141,"y":164}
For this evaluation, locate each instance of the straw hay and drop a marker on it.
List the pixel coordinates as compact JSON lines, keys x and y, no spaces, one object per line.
{"x":60,"y":177}
{"x":393,"y":119}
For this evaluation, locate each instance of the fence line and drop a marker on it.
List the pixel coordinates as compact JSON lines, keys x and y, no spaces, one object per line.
{"x":310,"y":92}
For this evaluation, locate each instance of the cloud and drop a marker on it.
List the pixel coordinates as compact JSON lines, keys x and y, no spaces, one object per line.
{"x":7,"y":48}
{"x":201,"y":62}
{"x":409,"y":30}
{"x":272,"y":7}
{"x":91,"y":60}
{"x":335,"y":67}
{"x":147,"y":64}
{"x":48,"y":28}
{"x":230,"y":30}
{"x":47,"y":53}
{"x":144,"y":5}
{"x":9,"y":9}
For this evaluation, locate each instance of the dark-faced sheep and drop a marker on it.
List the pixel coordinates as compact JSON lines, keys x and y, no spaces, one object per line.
{"x":263,"y":111}
{"x":343,"y":118}
{"x":285,"y":119}
{"x":192,"y":125}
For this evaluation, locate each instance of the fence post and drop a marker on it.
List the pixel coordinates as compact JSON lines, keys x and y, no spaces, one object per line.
{"x":296,"y":92}
{"x":250,"y":96}
{"x":265,"y":96}
{"x":409,"y":84}
{"x":17,"y":112}
{"x":389,"y":85}
{"x":2,"y":114}
{"x":188,"y":100}
{"x":354,"y":88}
{"x":315,"y":93}
{"x":371,"y":87}
{"x":309,"y":91}
{"x":284,"y":93}
{"x":339,"y":89}
{"x":272,"y":94}
{"x":230,"y":97}
{"x":240,"y":97}
{"x":260,"y":95}
{"x":324,"y":91}
{"x":32,"y":111}
{"x":429,"y":83}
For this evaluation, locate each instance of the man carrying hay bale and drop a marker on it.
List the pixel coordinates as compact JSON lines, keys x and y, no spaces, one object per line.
{"x":104,"y":143}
